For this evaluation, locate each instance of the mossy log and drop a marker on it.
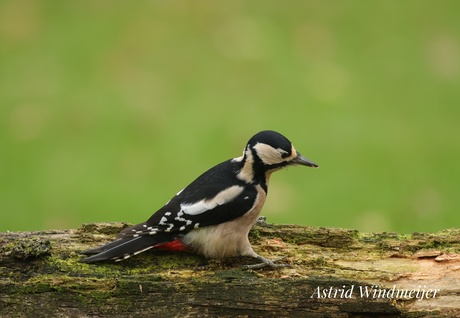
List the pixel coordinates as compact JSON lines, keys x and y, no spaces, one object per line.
{"x":333,"y":273}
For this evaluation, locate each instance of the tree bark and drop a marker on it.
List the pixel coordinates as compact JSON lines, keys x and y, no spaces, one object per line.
{"x":333,"y":273}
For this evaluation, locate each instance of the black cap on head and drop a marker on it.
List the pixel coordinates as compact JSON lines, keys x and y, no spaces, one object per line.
{"x":271,"y":138}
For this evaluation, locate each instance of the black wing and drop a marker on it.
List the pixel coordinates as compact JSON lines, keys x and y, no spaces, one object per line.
{"x":215,"y":197}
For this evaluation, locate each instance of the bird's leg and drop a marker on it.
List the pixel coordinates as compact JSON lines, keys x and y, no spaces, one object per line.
{"x":265,"y":262}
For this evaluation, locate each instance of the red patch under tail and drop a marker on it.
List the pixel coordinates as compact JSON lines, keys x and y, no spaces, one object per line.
{"x":175,"y":245}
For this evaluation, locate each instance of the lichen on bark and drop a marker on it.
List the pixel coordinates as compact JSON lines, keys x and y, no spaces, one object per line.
{"x":41,"y":276}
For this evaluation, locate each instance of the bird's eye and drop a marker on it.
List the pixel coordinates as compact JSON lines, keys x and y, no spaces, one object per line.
{"x":285,"y":154}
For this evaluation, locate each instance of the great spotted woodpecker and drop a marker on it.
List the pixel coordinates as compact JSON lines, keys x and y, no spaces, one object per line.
{"x":213,"y":215}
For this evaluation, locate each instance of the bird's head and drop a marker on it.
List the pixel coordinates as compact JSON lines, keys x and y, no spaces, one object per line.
{"x":269,"y":151}
{"x":266,"y":152}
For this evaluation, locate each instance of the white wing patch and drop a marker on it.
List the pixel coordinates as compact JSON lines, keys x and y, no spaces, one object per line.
{"x":180,"y":221}
{"x":221,"y":198}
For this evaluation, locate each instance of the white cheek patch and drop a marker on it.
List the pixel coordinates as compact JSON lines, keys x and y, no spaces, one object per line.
{"x":221,"y":198}
{"x":268,"y":154}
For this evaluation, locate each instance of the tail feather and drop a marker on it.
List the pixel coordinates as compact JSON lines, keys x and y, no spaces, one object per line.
{"x":102,"y":248}
{"x":123,"y":248}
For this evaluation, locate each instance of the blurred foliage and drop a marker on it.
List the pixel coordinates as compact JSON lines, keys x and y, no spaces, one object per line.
{"x":108,"y":108}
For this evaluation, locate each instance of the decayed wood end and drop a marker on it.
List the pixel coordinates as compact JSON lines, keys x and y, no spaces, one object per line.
{"x":334,"y":273}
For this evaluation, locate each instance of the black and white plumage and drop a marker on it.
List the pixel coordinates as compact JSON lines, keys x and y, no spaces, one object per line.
{"x":213,"y":215}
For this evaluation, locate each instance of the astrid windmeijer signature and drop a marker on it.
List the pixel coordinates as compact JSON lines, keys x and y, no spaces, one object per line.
{"x":375,"y":292}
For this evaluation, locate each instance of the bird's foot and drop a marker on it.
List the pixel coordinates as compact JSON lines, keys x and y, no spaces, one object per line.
{"x":262,"y":221}
{"x":266,"y":262}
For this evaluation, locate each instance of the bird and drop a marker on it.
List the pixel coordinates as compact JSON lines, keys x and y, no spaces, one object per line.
{"x":213,"y":215}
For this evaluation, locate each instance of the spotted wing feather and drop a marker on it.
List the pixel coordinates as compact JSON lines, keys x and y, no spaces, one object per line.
{"x":215,"y":197}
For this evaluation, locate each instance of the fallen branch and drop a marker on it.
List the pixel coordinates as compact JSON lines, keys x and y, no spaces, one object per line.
{"x":333,"y":271}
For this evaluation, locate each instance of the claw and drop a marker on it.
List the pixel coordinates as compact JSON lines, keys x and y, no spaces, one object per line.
{"x":262,"y":221}
{"x":266,"y":262}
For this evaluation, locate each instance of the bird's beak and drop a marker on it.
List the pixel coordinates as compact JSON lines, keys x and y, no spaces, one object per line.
{"x":301,"y":160}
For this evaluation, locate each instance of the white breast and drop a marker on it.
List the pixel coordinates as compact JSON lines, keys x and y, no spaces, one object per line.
{"x":229,"y":238}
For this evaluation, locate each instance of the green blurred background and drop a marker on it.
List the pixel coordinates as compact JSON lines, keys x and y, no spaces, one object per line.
{"x":108,"y":108}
